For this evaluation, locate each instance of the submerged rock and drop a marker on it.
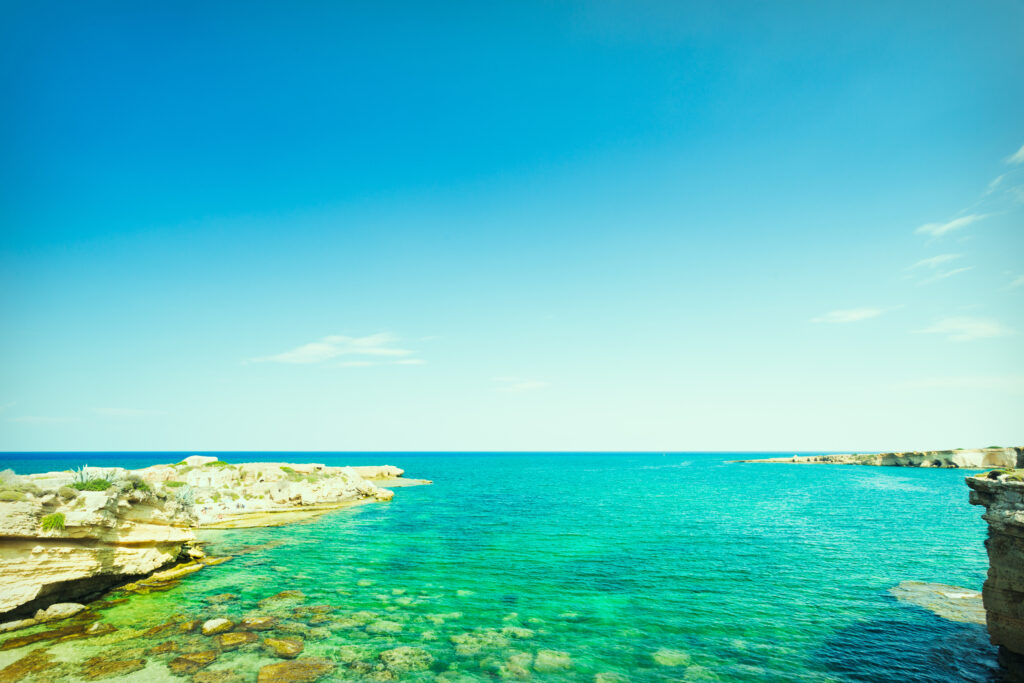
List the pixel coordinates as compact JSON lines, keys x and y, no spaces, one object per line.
{"x":517,"y":666}
{"x":548,"y":661}
{"x":667,"y":657}
{"x":286,"y":648}
{"x":609,"y":677}
{"x":406,"y":658}
{"x":517,"y":632}
{"x":282,"y":596}
{"x":384,"y":626}
{"x":219,"y":676}
{"x":235,"y":640}
{"x":305,"y":670}
{"x":163,"y":648}
{"x":215,"y":626}
{"x":36,"y":662}
{"x":949,"y":602}
{"x":98,"y":668}
{"x":260,"y":623}
{"x":193,"y":662}
{"x":471,"y":644}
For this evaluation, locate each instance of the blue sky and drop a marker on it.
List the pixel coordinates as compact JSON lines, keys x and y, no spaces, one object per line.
{"x":596,"y":225}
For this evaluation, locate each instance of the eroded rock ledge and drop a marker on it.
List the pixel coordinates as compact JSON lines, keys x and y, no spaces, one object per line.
{"x":971,"y":458}
{"x":70,"y":536}
{"x":1001,"y":493}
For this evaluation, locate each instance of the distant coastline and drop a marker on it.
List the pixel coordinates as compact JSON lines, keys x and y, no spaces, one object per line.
{"x":969,"y":458}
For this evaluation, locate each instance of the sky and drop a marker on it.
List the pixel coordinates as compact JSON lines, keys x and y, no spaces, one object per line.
{"x":600,"y":225}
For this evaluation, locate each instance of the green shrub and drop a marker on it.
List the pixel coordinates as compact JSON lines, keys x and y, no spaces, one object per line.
{"x":11,"y":496}
{"x":287,"y":470}
{"x":93,"y":485}
{"x":219,"y":463}
{"x":174,"y":484}
{"x":54,"y":522}
{"x":136,"y":483}
{"x":66,"y":492}
{"x":215,"y":497}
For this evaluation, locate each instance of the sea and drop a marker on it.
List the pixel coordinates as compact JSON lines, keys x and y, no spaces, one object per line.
{"x":595,"y":567}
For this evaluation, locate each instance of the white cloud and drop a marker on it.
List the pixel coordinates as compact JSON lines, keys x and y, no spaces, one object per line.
{"x":381,"y":344}
{"x":936,"y":261}
{"x":1017,"y":281}
{"x":409,"y":361}
{"x":963,"y":329}
{"x":1017,"y":157}
{"x":943,"y":276}
{"x":993,"y":184}
{"x":939,"y":229}
{"x":848,"y":315}
{"x":517,"y":384}
{"x":127,"y":412}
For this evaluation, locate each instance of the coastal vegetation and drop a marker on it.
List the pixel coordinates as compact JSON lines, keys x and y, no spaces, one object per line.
{"x":53,"y":522}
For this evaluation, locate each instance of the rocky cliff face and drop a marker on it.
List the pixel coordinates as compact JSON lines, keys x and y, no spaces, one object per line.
{"x":1001,"y":493}
{"x":58,"y":544}
{"x":68,"y":536}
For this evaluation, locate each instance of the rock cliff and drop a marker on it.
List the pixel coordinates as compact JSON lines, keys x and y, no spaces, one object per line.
{"x":59,"y":544}
{"x":68,"y":536}
{"x":970,"y":458}
{"x":1001,"y":493}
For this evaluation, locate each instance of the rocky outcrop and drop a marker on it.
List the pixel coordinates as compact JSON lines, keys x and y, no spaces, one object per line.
{"x":1001,"y":493}
{"x":971,"y":458}
{"x":59,"y":544}
{"x":69,"y":536}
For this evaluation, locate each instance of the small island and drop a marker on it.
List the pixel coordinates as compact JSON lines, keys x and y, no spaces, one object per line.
{"x":68,"y":537}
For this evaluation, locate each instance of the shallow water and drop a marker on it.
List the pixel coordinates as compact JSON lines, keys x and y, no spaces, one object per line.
{"x":654,"y":567}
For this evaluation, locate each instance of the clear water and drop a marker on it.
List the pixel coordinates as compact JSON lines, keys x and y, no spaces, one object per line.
{"x":746,"y":572}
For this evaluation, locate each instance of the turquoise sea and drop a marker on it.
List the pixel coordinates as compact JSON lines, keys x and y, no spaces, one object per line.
{"x":654,"y":567}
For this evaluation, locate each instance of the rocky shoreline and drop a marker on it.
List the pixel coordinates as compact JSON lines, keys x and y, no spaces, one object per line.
{"x":1001,"y":493}
{"x":971,"y":458}
{"x":68,"y":537}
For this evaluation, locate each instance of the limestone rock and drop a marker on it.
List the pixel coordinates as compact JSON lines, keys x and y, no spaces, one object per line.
{"x":192,"y":662}
{"x":286,"y":648}
{"x":258,"y":623}
{"x":471,"y":644}
{"x":1002,"y":495}
{"x":60,"y":610}
{"x":949,"y":602}
{"x":215,"y":626}
{"x":233,"y":641}
{"x":99,"y":668}
{"x":36,"y":662}
{"x":406,"y":659}
{"x":199,"y":460}
{"x":305,"y":670}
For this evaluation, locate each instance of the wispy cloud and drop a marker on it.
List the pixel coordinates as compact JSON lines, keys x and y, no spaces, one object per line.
{"x":939,"y":229}
{"x":964,"y":329}
{"x":328,"y":348}
{"x":1017,"y":281}
{"x":1017,"y":157}
{"x":372,"y":363}
{"x":848,"y":315}
{"x":1005,"y":384}
{"x":944,"y":275}
{"x":517,"y":384}
{"x":936,"y":261}
{"x":127,"y":412}
{"x":42,"y":419}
